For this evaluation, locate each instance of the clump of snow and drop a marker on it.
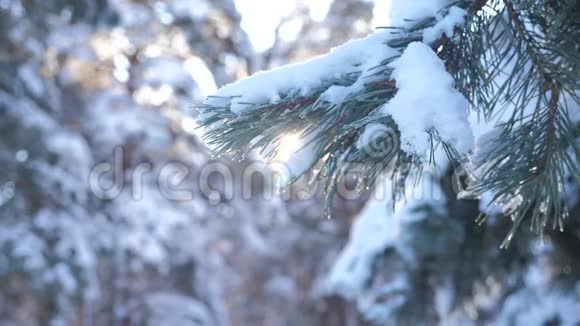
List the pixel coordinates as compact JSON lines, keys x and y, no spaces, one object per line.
{"x":374,"y":230}
{"x":352,"y":57}
{"x":380,"y":226}
{"x":444,"y":296}
{"x":426,"y":101}
{"x":539,"y":307}
{"x":28,"y":247}
{"x":339,"y":94}
{"x":455,"y":17}
{"x":166,"y":308}
{"x":75,"y":152}
{"x":148,"y":233}
{"x":376,"y":309}
{"x":404,"y":11}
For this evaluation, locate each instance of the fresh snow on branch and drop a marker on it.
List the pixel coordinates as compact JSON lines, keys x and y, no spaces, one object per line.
{"x":354,"y":57}
{"x":426,"y":101}
{"x":454,"y":18}
{"x":425,"y":104}
{"x":403,"y":12}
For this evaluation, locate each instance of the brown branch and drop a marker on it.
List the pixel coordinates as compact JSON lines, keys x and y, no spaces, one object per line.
{"x":521,"y":30}
{"x":546,"y":83}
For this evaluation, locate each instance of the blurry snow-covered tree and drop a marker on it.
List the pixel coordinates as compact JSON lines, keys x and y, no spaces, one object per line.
{"x":299,"y":36}
{"x":80,"y":79}
{"x":428,"y":261}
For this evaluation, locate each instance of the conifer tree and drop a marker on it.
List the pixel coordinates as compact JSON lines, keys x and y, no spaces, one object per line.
{"x":407,"y":89}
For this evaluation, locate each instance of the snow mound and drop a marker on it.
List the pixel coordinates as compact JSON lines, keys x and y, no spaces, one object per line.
{"x":426,"y":101}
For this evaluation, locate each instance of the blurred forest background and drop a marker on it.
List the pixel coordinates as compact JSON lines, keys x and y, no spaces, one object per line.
{"x":79,"y":78}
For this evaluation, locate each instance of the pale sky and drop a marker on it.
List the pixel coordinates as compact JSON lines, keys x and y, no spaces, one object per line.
{"x":261,"y":17}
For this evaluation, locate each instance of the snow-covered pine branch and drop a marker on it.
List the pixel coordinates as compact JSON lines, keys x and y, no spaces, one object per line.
{"x":386,"y":101}
{"x":335,"y":102}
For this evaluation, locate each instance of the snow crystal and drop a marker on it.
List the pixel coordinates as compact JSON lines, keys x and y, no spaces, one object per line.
{"x":455,"y":17}
{"x":427,"y":101}
{"x":352,"y":57}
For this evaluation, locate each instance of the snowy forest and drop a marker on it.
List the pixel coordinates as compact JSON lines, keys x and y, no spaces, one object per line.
{"x":289,"y":162}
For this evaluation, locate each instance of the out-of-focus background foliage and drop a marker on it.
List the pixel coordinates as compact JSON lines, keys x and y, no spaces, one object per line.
{"x":79,"y":78}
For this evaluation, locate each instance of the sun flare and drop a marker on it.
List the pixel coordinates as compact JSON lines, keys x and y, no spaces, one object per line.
{"x":289,"y":145}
